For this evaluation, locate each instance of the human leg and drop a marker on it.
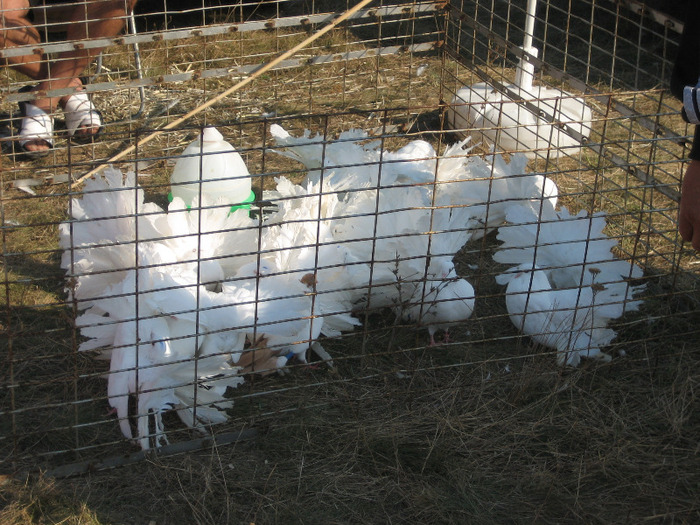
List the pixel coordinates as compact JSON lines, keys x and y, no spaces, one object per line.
{"x":88,"y":19}
{"x":96,"y":19}
{"x":16,"y":30}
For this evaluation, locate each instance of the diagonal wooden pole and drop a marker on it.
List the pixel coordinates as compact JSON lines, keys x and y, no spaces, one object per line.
{"x":255,"y":74}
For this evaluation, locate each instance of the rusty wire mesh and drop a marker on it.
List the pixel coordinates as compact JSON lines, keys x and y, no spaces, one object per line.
{"x":391,"y":71}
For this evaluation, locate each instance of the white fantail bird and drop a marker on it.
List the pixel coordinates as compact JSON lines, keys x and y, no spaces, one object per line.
{"x":568,"y":320}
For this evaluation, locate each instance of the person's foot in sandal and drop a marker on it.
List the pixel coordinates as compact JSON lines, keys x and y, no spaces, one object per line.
{"x":36,"y":129}
{"x":83,"y":120}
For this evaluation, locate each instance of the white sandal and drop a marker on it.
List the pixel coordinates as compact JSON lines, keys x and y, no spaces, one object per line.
{"x":80,"y":112}
{"x":37,"y":125}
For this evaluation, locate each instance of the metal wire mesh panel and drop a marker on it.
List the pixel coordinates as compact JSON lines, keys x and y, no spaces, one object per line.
{"x":362,"y":230}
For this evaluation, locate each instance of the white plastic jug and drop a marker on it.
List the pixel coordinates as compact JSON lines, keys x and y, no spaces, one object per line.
{"x":223,"y":172}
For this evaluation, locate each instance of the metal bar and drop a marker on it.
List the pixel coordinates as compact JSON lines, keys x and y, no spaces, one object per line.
{"x":218,"y":29}
{"x":84,"y":467}
{"x":240,"y":71}
{"x":641,"y":175}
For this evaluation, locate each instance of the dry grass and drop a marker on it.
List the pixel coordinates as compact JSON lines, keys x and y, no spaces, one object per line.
{"x":484,"y":430}
{"x":42,"y":501}
{"x":502,"y":439}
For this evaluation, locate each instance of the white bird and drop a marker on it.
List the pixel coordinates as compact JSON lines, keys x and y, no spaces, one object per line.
{"x":99,"y":241}
{"x":573,"y":250}
{"x":211,"y":238}
{"x":153,"y":341}
{"x":566,"y":320}
{"x":140,"y":353}
{"x":277,"y":307}
{"x":299,"y":240}
{"x":173,"y":343}
{"x":112,"y":219}
{"x":317,"y":232}
{"x":439,"y":301}
{"x":576,"y":271}
{"x":387,"y":221}
{"x":393,"y":229}
{"x":488,"y":186}
{"x":400,"y":232}
{"x":388,"y":230}
{"x":354,"y":161}
{"x":186,"y":302}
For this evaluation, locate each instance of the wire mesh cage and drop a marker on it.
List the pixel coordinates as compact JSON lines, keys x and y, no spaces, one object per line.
{"x":395,"y":196}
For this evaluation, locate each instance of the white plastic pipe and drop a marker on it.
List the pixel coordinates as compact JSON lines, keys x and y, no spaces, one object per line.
{"x":504,"y":119}
{"x":525,"y":72}
{"x":529,"y":23}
